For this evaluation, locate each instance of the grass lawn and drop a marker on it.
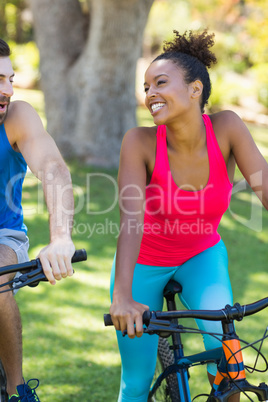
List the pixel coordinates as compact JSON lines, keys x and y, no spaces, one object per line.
{"x":66,"y":344}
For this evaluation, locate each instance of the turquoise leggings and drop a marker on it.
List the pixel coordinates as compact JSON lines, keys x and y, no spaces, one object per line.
{"x":206,"y":285}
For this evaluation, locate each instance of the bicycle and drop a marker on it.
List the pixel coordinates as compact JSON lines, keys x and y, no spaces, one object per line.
{"x":32,"y":275}
{"x":173,"y":382}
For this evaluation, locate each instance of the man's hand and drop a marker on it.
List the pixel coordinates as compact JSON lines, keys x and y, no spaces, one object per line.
{"x":56,"y":259}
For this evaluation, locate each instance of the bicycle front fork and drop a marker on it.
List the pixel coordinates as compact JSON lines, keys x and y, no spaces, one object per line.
{"x":229,"y":388}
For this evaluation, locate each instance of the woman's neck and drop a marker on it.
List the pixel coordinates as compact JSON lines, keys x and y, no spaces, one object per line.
{"x":186,"y":135}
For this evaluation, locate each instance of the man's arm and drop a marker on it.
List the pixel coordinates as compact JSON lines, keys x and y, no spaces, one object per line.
{"x":45,"y":161}
{"x":57,"y":186}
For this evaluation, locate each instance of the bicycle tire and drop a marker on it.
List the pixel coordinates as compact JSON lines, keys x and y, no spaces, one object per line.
{"x":168,"y":391}
{"x":3,"y":393}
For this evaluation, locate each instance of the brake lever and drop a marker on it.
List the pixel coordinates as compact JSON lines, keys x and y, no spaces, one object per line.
{"x":35,"y":276}
{"x":163,"y":328}
{"x":31,"y":278}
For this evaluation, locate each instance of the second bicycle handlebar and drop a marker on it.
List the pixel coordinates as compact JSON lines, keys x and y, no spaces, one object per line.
{"x":33,"y":271}
{"x":229,"y":313}
{"x":79,"y":255}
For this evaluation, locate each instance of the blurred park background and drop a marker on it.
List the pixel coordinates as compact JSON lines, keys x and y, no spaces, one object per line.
{"x":81,"y":65}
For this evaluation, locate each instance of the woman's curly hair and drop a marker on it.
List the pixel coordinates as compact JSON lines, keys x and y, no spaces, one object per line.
{"x":191,"y":52}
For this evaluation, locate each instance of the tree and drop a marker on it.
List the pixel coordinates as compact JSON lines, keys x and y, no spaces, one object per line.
{"x":88,"y":67}
{"x":13,"y":26}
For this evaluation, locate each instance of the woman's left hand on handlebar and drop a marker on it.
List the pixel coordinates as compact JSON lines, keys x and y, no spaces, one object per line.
{"x":127,"y":316}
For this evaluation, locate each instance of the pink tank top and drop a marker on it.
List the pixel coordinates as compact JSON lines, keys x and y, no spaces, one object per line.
{"x":179,"y":224}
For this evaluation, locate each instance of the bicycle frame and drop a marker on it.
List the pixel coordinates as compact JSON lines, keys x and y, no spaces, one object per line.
{"x":230,"y":378}
{"x":181,"y":366}
{"x":182,"y":374}
{"x":182,"y":363}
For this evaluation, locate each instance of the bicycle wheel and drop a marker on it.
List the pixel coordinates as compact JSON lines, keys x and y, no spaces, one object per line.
{"x":168,"y":391}
{"x":3,"y":393}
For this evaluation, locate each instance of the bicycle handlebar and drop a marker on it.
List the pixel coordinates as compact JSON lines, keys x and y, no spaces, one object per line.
{"x":146,"y":317}
{"x":229,"y":313}
{"x":79,"y":255}
{"x":35,"y":272}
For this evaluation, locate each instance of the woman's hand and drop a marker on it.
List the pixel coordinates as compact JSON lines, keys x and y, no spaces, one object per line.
{"x":127,"y":315}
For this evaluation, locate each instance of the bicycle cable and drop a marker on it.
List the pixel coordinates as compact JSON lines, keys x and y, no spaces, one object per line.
{"x":218,"y":336}
{"x":261,"y":340}
{"x":6,"y":284}
{"x":215,"y":335}
{"x":31,"y":278}
{"x":232,"y":380}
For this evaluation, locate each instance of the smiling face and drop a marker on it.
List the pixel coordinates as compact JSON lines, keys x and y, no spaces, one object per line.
{"x":167,"y":94}
{"x":6,"y":87}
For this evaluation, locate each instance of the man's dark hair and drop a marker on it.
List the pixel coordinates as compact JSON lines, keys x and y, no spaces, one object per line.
{"x":4,"y":49}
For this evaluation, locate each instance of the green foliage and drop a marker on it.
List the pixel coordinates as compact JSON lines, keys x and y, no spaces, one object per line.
{"x":163,"y":18}
{"x":34,"y":97}
{"x":241,"y":33}
{"x":25,"y":60}
{"x":259,"y":71}
{"x":257,"y":28}
{"x":15,"y":21}
{"x":10,"y":11}
{"x":16,"y":28}
{"x":23,"y":55}
{"x":227,"y":87}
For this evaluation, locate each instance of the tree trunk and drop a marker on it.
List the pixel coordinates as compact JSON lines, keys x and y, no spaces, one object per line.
{"x":88,"y":70}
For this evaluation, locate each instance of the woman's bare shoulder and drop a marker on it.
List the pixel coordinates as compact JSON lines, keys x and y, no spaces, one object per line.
{"x":140,"y":138}
{"x":226,"y":120}
{"x":141,"y":134}
{"x":139,"y":147}
{"x":232,"y":133}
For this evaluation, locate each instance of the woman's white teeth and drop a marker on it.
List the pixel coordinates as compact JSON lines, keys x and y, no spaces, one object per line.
{"x":157,"y":106}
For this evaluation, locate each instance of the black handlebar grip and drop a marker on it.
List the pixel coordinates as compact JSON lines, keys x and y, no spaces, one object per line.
{"x":79,"y":255}
{"x":107,"y":320}
{"x":145,"y":318}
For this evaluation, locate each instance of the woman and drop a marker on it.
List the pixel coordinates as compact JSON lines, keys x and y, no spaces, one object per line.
{"x":175,"y":183}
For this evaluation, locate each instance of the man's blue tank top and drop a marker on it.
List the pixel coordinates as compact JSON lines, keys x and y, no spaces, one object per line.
{"x":12,"y":172}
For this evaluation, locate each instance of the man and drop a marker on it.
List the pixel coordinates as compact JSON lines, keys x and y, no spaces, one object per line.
{"x":24,"y":141}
